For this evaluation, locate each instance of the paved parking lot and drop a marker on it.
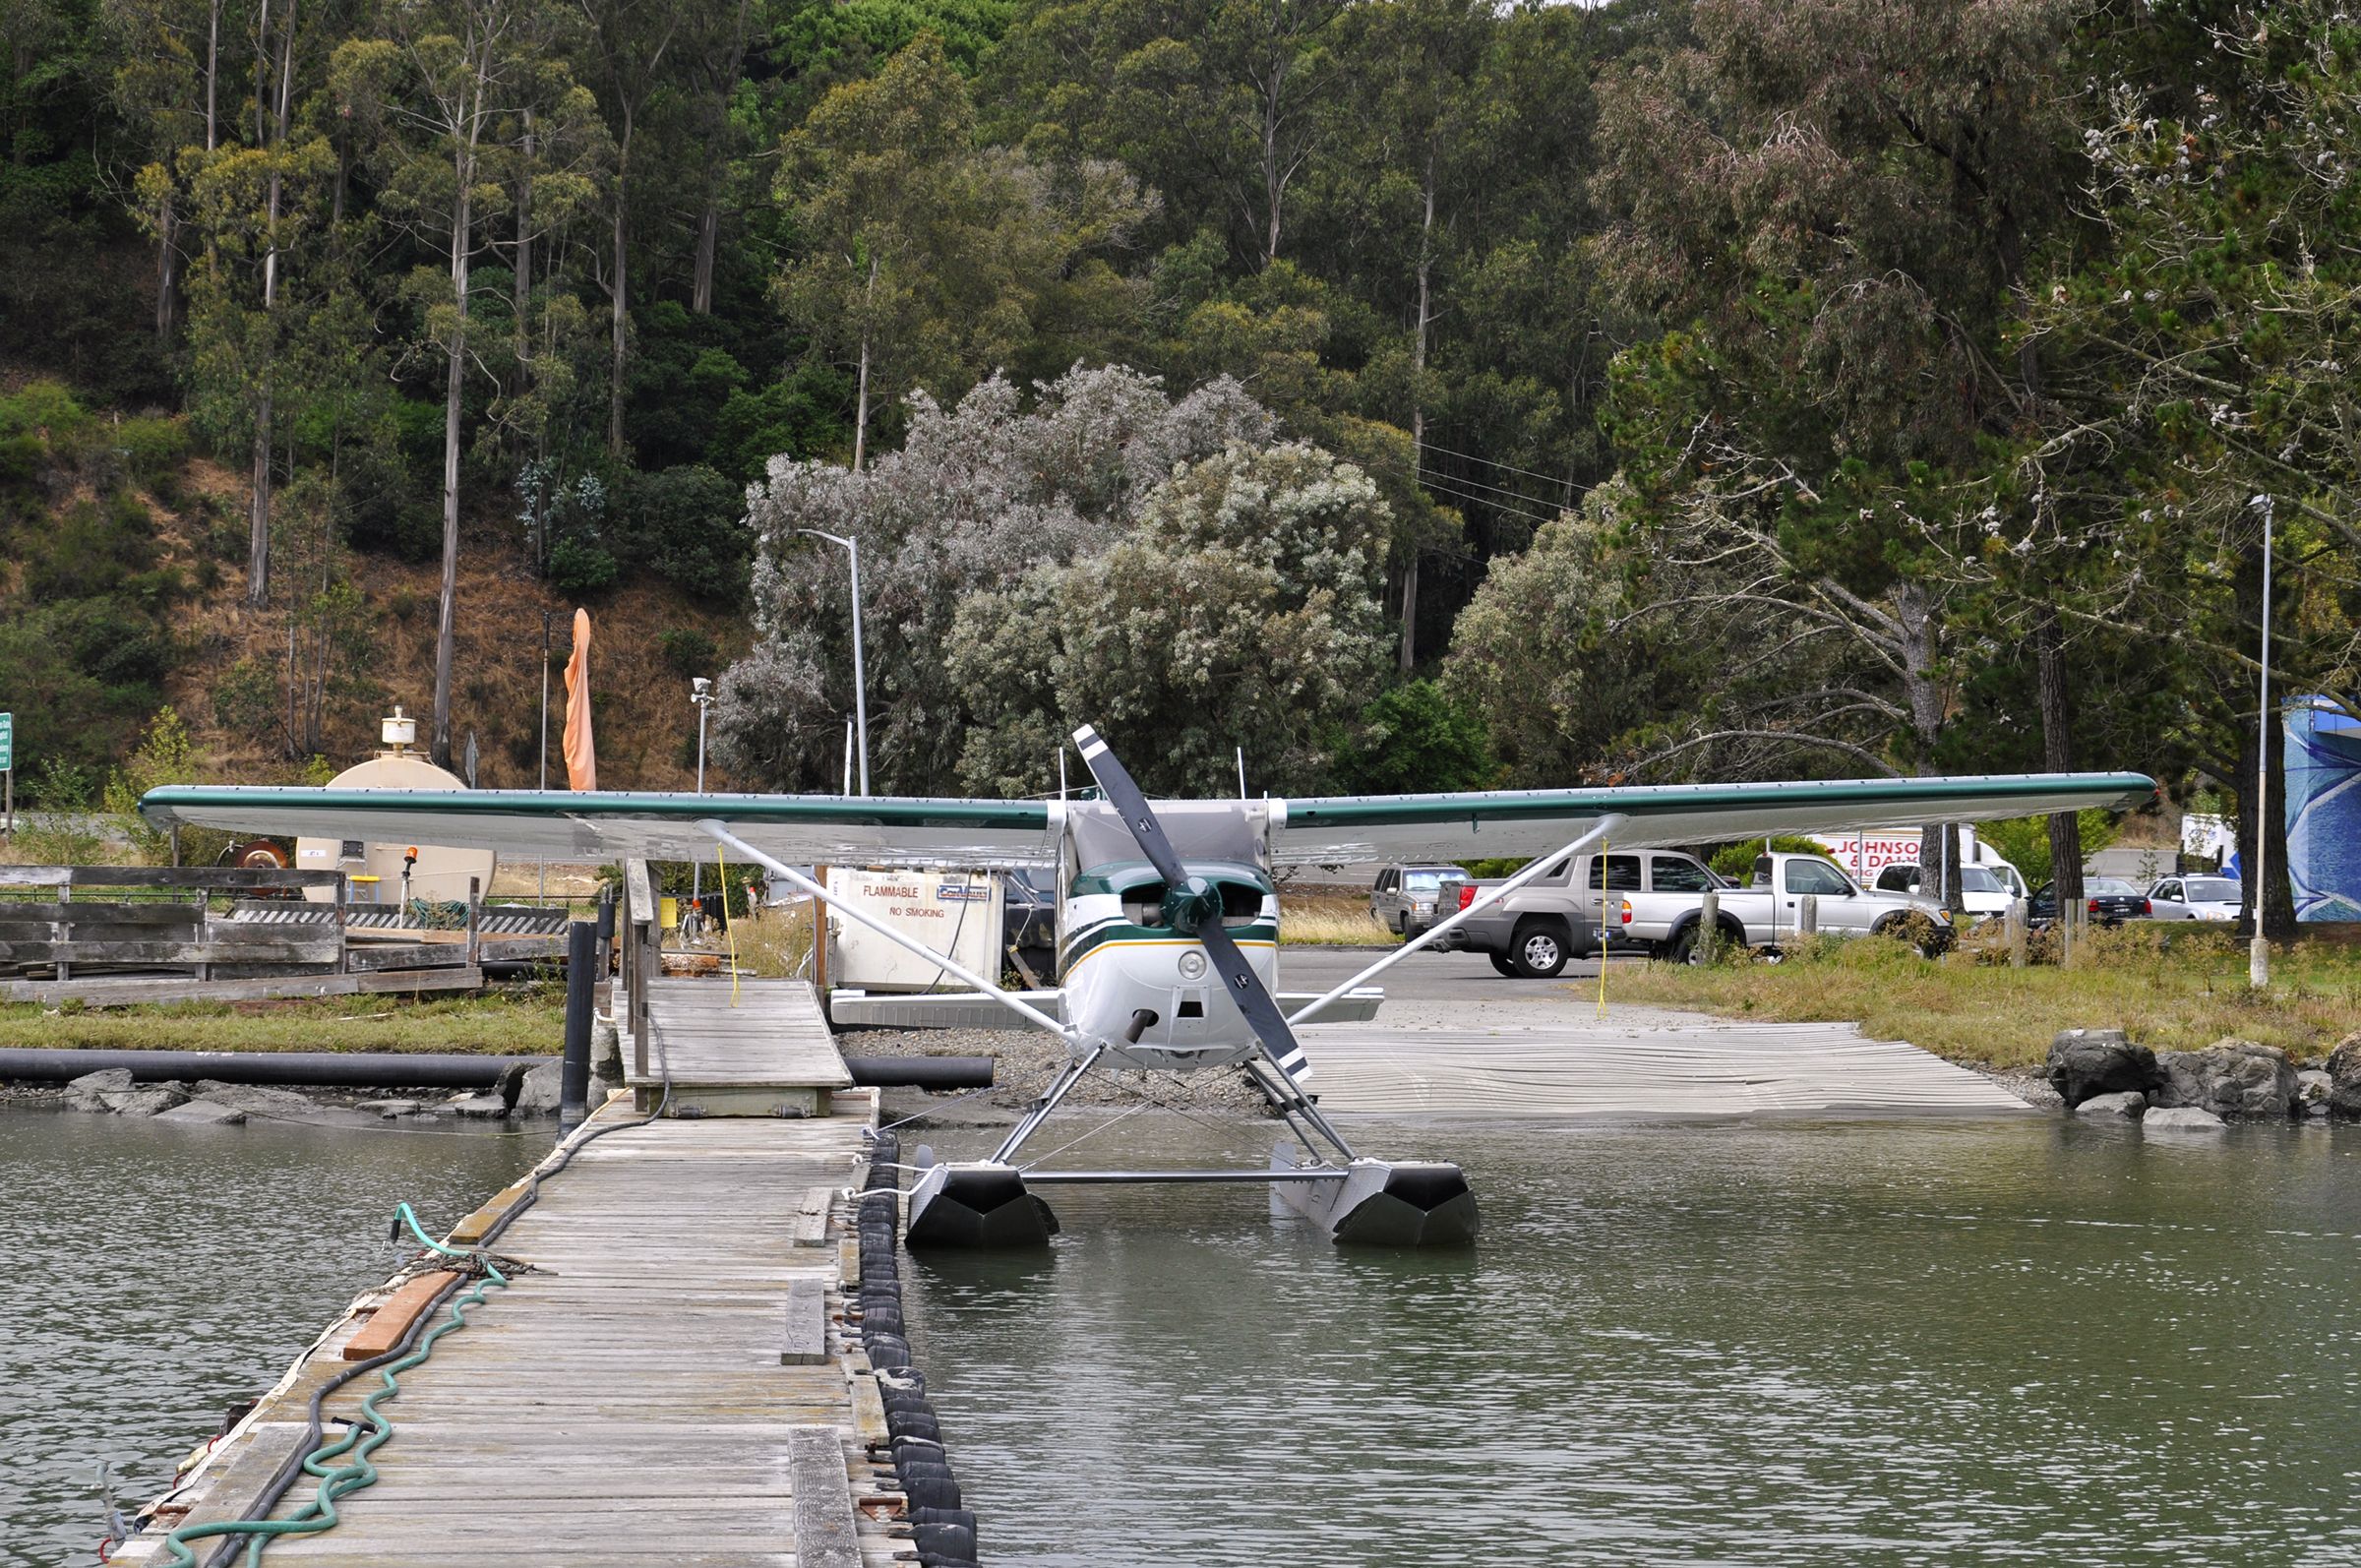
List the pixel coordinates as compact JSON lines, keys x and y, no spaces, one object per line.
{"x":1428,"y":976}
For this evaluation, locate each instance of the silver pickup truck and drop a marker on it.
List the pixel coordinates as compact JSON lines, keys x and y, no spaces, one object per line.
{"x":1653,"y":900}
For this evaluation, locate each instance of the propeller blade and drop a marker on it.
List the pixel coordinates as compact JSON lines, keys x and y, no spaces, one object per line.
{"x":1126,"y":796}
{"x":1255,"y":1001}
{"x":1247,"y":989}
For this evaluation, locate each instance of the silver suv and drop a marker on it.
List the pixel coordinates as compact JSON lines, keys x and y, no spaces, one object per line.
{"x":1403,"y":901}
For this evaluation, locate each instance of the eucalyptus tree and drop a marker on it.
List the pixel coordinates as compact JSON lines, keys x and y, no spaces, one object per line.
{"x":922,"y":262}
{"x":980,"y":494}
{"x":2201,"y":361}
{"x":1833,"y":203}
{"x":444,"y":97}
{"x":1243,"y":611}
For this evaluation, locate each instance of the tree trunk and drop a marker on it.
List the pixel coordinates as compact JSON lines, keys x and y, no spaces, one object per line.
{"x":1418,"y":415}
{"x":213,"y":75}
{"x":860,"y":395}
{"x":708,"y":240}
{"x":257,"y":507}
{"x":257,"y":542}
{"x":1272,"y":182}
{"x":446,"y":620}
{"x":2057,"y":752}
{"x":167,"y":271}
{"x":623,"y":163}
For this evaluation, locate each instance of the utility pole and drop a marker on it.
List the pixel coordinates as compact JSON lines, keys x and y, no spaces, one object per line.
{"x":701,"y":693}
{"x":2257,"y":959}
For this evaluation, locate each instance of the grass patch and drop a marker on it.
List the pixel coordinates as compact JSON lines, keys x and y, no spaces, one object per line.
{"x":2168,"y":990}
{"x":1330,"y":918}
{"x":523,"y":1020}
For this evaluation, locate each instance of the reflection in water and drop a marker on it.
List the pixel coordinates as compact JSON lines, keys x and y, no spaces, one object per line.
{"x":2021,"y":1342}
{"x":155,"y":1274}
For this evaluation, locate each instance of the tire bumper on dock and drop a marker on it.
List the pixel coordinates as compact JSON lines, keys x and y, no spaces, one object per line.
{"x":978,"y":1204}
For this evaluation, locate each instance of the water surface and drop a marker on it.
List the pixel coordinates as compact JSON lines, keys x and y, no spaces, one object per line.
{"x":1850,"y":1342}
{"x":155,"y":1274}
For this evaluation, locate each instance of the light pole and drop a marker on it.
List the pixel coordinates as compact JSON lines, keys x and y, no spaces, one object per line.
{"x":542,"y":873}
{"x":2257,"y":959}
{"x":701,"y":693}
{"x":860,"y":680}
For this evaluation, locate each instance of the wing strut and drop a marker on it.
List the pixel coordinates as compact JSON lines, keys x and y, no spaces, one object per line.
{"x":1605,"y":825}
{"x":797,"y":881}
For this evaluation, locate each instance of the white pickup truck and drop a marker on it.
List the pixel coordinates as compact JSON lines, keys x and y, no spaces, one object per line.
{"x":1653,"y":900}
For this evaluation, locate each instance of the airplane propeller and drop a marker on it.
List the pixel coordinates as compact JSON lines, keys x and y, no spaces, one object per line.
{"x":1193,"y":905}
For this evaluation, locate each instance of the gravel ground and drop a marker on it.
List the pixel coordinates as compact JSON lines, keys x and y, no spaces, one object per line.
{"x":2025,"y":1083}
{"x":1028,"y":1059}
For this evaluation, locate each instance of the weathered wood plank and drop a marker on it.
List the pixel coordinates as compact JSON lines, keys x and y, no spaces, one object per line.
{"x":160,"y":876}
{"x":825,"y":1535}
{"x":28,"y":913}
{"x":807,"y":1337}
{"x":127,"y":991}
{"x":270,"y":947}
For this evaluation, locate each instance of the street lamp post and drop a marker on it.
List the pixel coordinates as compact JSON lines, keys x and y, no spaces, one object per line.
{"x":2257,"y":960}
{"x":701,"y":693}
{"x":860,"y":679}
{"x":542,"y":872}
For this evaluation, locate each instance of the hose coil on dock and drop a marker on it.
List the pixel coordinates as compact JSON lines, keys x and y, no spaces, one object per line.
{"x":943,"y":1531}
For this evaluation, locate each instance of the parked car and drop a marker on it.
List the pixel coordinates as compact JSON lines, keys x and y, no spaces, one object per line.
{"x":1655,"y":901}
{"x":1403,"y":901}
{"x":2106,"y":900}
{"x":1980,"y":886}
{"x":2196,"y":898}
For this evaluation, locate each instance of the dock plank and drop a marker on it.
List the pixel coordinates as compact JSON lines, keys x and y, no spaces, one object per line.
{"x":629,"y":1400}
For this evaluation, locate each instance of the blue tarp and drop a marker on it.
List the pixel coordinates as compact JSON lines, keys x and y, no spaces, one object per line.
{"x":2323,"y":812}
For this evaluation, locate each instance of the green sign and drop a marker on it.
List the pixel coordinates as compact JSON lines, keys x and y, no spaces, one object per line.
{"x":8,"y":741}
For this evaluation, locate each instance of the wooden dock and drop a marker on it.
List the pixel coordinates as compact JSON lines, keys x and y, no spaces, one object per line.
{"x":757,"y":1047}
{"x":672,"y":1380}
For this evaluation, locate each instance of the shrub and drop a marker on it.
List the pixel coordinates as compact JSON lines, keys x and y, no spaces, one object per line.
{"x":687,"y":524}
{"x":690,"y":651}
{"x":581,"y":569}
{"x":152,"y":448}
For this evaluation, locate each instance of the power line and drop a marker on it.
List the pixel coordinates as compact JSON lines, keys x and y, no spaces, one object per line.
{"x":1443,"y":483}
{"x":1460,"y":479}
{"x":1508,"y":468}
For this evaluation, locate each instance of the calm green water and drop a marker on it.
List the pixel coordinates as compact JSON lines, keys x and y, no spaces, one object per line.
{"x":1835,"y":1344}
{"x":1849,"y":1344}
{"x":156,"y":1274}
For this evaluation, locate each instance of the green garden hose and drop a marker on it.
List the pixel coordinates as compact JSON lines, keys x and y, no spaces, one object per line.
{"x":361,"y":1439}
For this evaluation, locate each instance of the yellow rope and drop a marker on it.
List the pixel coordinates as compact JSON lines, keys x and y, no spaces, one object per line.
{"x":1600,"y":863}
{"x":728,"y":927}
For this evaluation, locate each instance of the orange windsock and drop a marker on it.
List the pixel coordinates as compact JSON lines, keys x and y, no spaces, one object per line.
{"x":581,"y":756}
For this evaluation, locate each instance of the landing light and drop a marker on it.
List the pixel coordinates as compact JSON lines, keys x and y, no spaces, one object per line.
{"x":1192,"y":966}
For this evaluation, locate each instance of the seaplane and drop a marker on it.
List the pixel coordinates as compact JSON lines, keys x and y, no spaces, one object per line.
{"x":1168,"y":922}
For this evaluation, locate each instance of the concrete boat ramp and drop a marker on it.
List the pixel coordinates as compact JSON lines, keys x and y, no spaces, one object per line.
{"x":1557,"y":1057}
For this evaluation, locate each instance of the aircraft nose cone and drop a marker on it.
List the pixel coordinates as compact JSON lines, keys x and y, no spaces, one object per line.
{"x":1190,"y":905}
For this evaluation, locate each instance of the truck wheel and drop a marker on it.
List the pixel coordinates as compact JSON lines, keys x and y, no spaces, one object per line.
{"x":1538,"y":950}
{"x":1685,"y":948}
{"x":1500,"y":963}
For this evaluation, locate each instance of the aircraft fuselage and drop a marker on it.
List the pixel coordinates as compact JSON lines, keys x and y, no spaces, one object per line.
{"x":1119,"y":956}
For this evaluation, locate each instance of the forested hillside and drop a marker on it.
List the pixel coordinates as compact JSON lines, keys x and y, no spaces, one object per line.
{"x":1651,"y":390}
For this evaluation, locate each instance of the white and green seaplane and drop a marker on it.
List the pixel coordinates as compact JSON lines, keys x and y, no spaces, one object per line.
{"x":1168,"y":922}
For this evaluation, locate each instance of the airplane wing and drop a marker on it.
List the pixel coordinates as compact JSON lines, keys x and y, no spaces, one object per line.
{"x":613,"y":825}
{"x":1345,"y":830}
{"x":1341,"y":830}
